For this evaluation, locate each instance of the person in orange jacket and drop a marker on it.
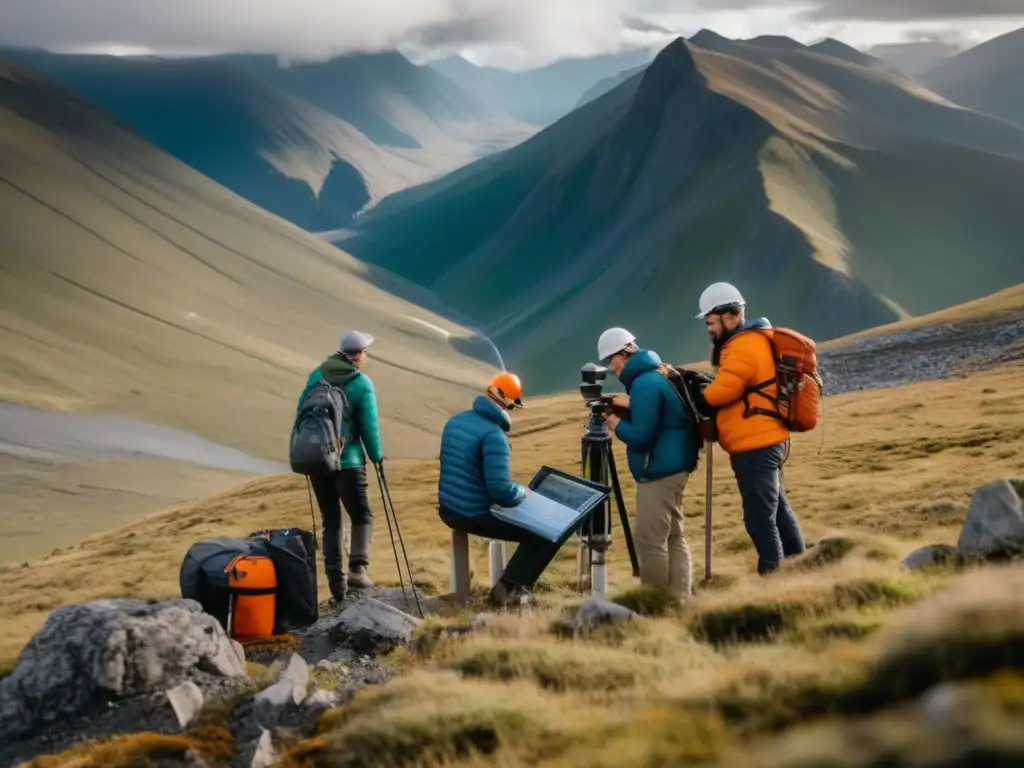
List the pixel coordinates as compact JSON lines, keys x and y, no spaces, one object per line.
{"x":757,"y":444}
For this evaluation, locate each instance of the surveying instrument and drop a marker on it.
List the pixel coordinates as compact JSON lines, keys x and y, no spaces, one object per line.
{"x":598,"y":465}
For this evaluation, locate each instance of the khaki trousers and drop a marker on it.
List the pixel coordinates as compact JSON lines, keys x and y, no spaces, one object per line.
{"x":661,"y":548}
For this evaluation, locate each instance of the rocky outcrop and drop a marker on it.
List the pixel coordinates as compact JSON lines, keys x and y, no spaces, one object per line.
{"x":89,"y":654}
{"x":933,"y":352}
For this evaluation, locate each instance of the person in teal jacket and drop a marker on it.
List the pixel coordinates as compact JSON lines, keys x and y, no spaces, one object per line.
{"x":348,"y":485}
{"x":662,"y":443}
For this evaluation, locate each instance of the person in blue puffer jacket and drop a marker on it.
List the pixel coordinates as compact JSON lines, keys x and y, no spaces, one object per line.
{"x":476,"y":472}
{"x":662,"y":443}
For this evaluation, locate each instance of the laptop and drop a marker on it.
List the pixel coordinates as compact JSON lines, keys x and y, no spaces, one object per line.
{"x":560,"y":502}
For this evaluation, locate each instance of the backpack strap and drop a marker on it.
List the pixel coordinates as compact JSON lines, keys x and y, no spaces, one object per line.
{"x":759,"y":389}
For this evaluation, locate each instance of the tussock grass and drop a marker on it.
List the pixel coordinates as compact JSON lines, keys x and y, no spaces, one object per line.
{"x":126,"y":751}
{"x":843,"y":635}
{"x":978,"y":725}
{"x":436,"y":718}
{"x":648,"y":600}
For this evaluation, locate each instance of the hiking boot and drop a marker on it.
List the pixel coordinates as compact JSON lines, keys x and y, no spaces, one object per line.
{"x":357,"y":577}
{"x":360,"y":553}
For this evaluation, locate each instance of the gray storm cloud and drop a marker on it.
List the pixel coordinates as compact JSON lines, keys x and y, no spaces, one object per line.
{"x":314,"y":28}
{"x":850,"y":10}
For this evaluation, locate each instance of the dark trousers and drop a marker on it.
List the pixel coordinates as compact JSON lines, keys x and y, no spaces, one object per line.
{"x":769,"y":519}
{"x":332,"y":491}
{"x":532,"y":555}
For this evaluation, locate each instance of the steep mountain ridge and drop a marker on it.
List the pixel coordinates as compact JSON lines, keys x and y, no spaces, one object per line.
{"x":132,"y":284}
{"x":769,"y":167}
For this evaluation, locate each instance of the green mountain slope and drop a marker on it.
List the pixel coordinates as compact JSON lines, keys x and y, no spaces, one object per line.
{"x":988,"y":77}
{"x":132,"y":284}
{"x":838,"y":197}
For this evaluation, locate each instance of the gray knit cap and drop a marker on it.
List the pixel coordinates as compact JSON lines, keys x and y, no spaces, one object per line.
{"x":354,"y":341}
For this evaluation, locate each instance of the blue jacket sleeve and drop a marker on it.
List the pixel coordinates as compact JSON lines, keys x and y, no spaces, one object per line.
{"x":369,"y":423}
{"x":640,"y":430}
{"x":498,"y":471}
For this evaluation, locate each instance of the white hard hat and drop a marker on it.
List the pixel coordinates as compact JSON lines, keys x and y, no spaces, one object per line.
{"x":612,"y":341}
{"x":718,"y":296}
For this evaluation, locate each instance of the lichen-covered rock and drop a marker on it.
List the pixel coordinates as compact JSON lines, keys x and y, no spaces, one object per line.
{"x":88,"y":654}
{"x":994,"y":523}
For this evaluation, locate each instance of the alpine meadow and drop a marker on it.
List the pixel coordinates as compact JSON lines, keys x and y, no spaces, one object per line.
{"x":432,"y":218}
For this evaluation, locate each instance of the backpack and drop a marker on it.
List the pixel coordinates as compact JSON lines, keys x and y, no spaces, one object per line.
{"x":686,"y":383}
{"x":262,"y":585}
{"x":293,"y":551}
{"x":321,"y":429}
{"x":204,"y":575}
{"x":799,"y":384}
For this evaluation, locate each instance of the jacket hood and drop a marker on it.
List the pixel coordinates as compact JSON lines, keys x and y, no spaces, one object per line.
{"x":758,"y":324}
{"x":490,"y":411}
{"x":643,"y":361}
{"x":337,"y":370}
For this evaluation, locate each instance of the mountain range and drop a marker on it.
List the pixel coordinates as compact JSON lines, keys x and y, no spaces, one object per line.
{"x":130,"y":283}
{"x":988,"y":77}
{"x":838,"y":192}
{"x":312,"y":142}
{"x":837,"y":195}
{"x":542,"y":95}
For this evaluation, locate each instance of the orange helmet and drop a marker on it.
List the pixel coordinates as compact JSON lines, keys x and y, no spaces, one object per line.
{"x":507,"y":386}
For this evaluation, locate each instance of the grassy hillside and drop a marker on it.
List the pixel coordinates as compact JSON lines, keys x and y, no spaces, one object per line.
{"x":543,"y":95}
{"x":132,"y":284}
{"x":820,"y":187}
{"x":290,"y":140}
{"x":987,"y":77}
{"x":838,"y":645}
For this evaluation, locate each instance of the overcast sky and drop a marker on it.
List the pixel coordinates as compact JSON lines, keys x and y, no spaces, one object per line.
{"x":510,"y":33}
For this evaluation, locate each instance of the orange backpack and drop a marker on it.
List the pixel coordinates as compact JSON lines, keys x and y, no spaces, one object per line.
{"x":799,"y":385}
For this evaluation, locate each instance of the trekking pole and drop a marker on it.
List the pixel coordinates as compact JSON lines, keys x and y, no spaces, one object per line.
{"x":710,"y":447}
{"x":385,"y":497}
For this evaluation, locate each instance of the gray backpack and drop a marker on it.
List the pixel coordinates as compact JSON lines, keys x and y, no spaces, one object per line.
{"x":321,"y":430}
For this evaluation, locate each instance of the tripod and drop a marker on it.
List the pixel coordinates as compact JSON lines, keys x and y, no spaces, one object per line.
{"x":598,"y":464}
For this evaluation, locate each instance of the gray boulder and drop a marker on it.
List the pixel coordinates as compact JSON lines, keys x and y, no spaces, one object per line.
{"x":593,"y":612}
{"x":994,"y":523}
{"x":89,"y":654}
{"x":931,"y":555}
{"x":372,"y":627}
